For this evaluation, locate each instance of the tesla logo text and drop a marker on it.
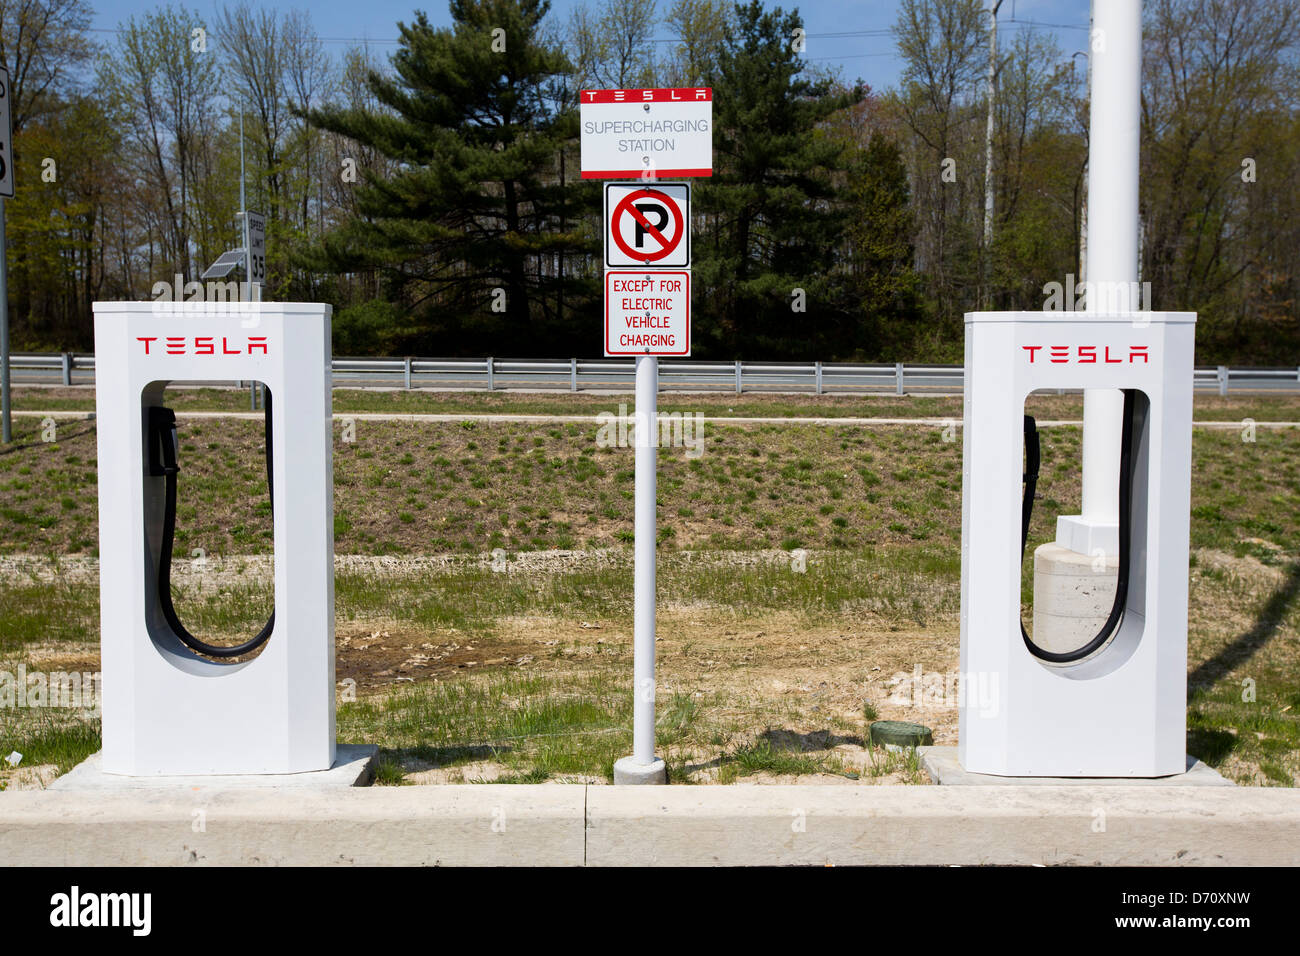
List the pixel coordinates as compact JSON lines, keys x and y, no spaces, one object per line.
{"x":202,"y":345}
{"x":1089,"y":354}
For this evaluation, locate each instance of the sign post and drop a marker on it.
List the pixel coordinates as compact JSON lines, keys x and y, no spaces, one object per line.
{"x":7,"y":192}
{"x":643,"y":766}
{"x":642,"y":135}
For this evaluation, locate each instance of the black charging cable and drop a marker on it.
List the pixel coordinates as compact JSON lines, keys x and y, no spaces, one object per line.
{"x":1033,"y":460}
{"x":163,"y":464}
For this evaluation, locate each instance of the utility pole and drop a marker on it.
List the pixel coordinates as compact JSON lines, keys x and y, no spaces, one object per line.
{"x":243,"y":207}
{"x":6,"y":190}
{"x":987,"y":264}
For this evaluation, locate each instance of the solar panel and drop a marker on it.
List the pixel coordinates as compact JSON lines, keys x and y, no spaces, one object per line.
{"x":225,"y":264}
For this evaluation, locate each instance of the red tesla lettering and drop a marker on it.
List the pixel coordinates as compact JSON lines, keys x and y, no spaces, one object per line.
{"x":175,"y":345}
{"x":226,"y":349}
{"x":1087,"y":354}
{"x":256,"y":342}
{"x":146,"y":339}
{"x":203,"y":345}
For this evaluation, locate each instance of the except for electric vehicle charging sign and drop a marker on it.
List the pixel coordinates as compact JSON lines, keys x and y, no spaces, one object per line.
{"x":630,"y":134}
{"x":648,"y":224}
{"x":647,"y":312}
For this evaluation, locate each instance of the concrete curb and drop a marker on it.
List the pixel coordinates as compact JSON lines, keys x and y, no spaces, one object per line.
{"x":738,"y":825}
{"x":400,"y":826}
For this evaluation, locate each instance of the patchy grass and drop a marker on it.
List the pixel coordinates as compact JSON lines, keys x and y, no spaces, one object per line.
{"x":462,"y":673}
{"x":63,"y":745}
{"x":1261,"y":406}
{"x":474,"y":487}
{"x":1244,"y":684}
{"x":58,"y":610}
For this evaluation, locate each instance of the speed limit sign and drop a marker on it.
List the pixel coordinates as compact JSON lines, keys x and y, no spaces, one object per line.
{"x":6,"y":139}
{"x":256,"y":238}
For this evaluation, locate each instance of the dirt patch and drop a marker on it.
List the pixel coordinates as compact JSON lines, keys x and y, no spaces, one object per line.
{"x":28,"y":778}
{"x":377,"y":656}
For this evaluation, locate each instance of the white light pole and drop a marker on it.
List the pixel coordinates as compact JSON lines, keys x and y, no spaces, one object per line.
{"x":1115,"y":78}
{"x":987,"y":263}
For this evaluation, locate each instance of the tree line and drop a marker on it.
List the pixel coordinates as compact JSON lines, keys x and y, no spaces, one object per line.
{"x":433,"y":194}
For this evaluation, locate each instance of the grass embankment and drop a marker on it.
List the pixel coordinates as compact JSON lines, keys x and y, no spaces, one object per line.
{"x":518,"y":671}
{"x":1209,"y":406}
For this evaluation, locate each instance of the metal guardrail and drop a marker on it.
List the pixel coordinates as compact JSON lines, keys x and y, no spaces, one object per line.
{"x":68,"y":368}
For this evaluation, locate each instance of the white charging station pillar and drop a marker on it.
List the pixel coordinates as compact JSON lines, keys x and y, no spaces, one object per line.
{"x":1120,"y":712}
{"x":166,"y":709}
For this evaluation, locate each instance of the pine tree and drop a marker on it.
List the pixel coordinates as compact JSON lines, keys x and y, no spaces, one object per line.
{"x":473,"y":121}
{"x":773,"y":202}
{"x":885,"y":288}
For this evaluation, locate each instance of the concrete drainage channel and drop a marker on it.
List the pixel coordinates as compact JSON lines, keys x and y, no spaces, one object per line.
{"x":203,"y":821}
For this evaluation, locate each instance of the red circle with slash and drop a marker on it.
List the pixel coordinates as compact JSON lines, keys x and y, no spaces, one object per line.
{"x":666,"y":245}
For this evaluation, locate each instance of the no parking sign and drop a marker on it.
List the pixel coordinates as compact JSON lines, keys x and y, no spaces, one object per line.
{"x":648,"y":224}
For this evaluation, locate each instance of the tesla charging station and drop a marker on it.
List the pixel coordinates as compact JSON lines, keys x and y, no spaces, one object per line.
{"x":1116,"y":705}
{"x":173,"y":704}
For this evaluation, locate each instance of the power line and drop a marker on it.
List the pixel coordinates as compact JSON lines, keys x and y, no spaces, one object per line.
{"x":840,"y":34}
{"x":1035,"y":24}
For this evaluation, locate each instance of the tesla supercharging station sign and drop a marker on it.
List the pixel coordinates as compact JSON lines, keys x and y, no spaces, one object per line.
{"x":168,"y":709}
{"x":653,"y":133}
{"x":642,"y":135}
{"x":1118,"y":710}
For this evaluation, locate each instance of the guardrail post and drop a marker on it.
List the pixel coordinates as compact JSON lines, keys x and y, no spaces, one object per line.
{"x":491,"y":376}
{"x":898,"y":378}
{"x":1223,"y":380}
{"x":406,"y":371}
{"x":573,"y":374}
{"x":737,"y":376}
{"x":66,"y":359}
{"x":819,"y":378}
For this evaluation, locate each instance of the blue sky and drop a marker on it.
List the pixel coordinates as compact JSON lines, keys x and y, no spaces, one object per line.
{"x":868,"y":52}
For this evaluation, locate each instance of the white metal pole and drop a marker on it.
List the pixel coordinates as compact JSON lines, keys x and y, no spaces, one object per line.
{"x":643,"y":591}
{"x":1115,"y":76}
{"x":642,"y":766}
